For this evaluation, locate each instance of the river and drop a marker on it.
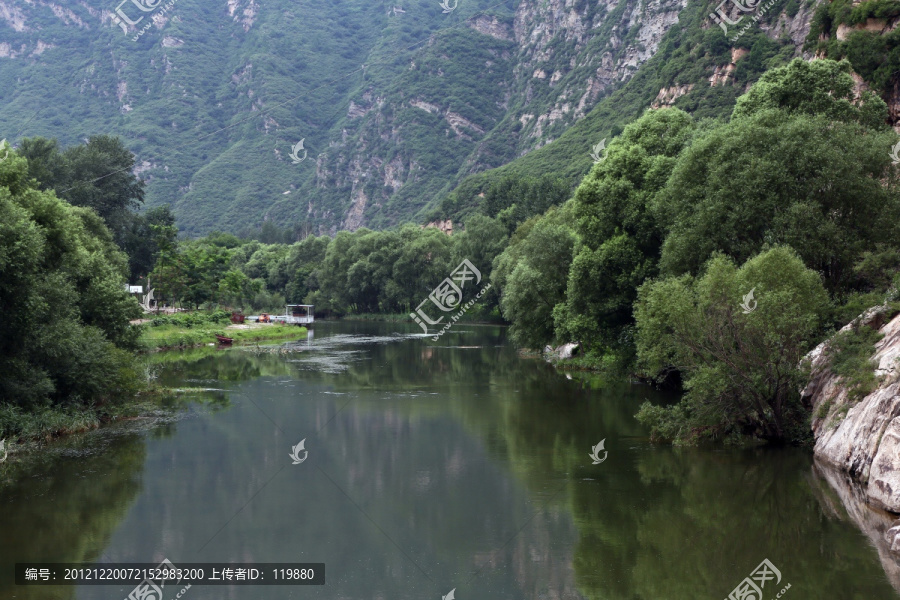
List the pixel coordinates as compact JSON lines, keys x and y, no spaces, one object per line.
{"x":431,"y":467}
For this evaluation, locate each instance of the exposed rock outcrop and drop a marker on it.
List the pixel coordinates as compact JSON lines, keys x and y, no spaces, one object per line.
{"x":668,"y":95}
{"x":861,"y":438}
{"x":723,"y":74}
{"x":562,"y":352}
{"x":444,"y":226}
{"x":491,"y":25}
{"x":549,"y":64}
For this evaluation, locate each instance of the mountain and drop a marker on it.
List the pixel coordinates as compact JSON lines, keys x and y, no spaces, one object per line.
{"x":406,"y":110}
{"x":395,"y":102}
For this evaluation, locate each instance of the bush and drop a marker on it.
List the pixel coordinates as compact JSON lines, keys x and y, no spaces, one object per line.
{"x":741,"y":369}
{"x":850,"y":358}
{"x":193,"y":319}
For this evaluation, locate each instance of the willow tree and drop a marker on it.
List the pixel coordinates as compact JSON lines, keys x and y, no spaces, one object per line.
{"x":64,"y":336}
{"x":738,"y":337}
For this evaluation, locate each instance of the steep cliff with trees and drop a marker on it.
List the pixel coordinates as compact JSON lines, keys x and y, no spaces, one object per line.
{"x":405,"y":111}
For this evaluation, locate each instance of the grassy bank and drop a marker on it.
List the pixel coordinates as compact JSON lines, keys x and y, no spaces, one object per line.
{"x":197,"y":329}
{"x":26,"y":430}
{"x":22,"y":430}
{"x":174,"y":336}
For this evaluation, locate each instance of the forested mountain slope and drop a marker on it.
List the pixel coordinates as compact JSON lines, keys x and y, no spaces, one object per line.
{"x":395,"y":102}
{"x":406,"y":110}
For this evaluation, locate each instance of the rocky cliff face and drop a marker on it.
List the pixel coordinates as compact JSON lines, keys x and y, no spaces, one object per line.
{"x":397,"y":104}
{"x":861,"y":438}
{"x":538,"y":72}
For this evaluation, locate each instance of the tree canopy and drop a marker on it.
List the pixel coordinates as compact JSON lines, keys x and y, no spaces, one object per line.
{"x":65,"y":335}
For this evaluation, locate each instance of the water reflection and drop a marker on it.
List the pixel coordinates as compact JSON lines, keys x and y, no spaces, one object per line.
{"x":456,"y":465}
{"x":64,"y":506}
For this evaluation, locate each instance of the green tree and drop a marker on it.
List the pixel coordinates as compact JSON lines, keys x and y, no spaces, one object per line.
{"x":531,"y":274}
{"x":98,"y":175}
{"x":424,"y":257}
{"x":619,"y":234}
{"x":482,"y":240}
{"x":820,"y":87}
{"x":65,"y":336}
{"x":513,"y":198}
{"x":148,"y":233}
{"x":824,"y":187}
{"x":737,"y":336}
{"x":234,"y":287}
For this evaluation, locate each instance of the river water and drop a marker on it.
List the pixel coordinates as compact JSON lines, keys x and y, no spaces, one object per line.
{"x":431,"y":467}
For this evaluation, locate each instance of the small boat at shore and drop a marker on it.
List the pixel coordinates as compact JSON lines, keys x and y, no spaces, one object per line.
{"x":224,"y":340}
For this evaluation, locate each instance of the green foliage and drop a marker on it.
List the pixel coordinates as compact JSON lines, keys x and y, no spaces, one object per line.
{"x":390,"y":271}
{"x":873,"y":55}
{"x":775,"y":178}
{"x":192,"y":319}
{"x":853,"y":305}
{"x":97,"y":174}
{"x":874,"y":9}
{"x":850,"y":357}
{"x":620,"y":236}
{"x":514,"y":199}
{"x":170,"y":336}
{"x":190,"y":272}
{"x":819,"y":87}
{"x":741,"y":371}
{"x":65,"y":338}
{"x":218,"y":153}
{"x":354,"y":273}
{"x":531,"y":275}
{"x":147,"y":236}
{"x":876,"y":269}
{"x":687,"y":54}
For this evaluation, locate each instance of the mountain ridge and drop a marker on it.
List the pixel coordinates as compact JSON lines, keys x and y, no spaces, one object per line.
{"x":407,"y":112}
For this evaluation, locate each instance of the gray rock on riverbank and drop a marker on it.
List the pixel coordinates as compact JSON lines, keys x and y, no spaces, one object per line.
{"x":561,"y":352}
{"x":861,"y":438}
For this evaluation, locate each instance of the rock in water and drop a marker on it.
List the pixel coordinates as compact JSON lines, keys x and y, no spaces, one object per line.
{"x":866,"y":442}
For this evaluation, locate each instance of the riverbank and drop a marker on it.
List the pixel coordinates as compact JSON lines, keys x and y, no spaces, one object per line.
{"x":186,"y":330}
{"x":171,"y":337}
{"x":24,"y":431}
